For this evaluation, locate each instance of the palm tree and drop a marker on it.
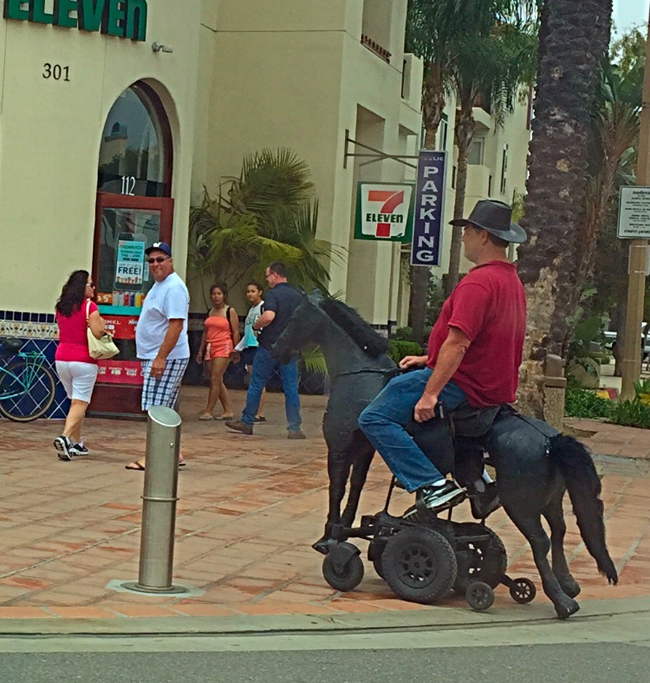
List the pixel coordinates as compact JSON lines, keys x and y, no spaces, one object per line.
{"x":574,"y":39}
{"x":507,"y":56}
{"x":616,"y":122}
{"x":266,"y":214}
{"x":441,"y":32}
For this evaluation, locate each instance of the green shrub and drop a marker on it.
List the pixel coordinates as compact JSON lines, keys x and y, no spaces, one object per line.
{"x":581,"y":402}
{"x":631,"y":414}
{"x":398,"y":348}
{"x":404,"y":333}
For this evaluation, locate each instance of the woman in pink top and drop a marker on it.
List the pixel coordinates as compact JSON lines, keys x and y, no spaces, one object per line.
{"x":77,"y":370}
{"x":218,"y":343}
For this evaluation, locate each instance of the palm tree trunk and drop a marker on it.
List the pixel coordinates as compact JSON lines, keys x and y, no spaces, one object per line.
{"x":433,"y":104}
{"x":418,"y":301}
{"x":465,"y":126}
{"x":573,"y":38}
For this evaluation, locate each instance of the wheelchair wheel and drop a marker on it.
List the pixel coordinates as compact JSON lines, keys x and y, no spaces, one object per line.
{"x":343,"y":574}
{"x":485,"y":561}
{"x":419,"y":565}
{"x":479,"y":596}
{"x":523,"y":591}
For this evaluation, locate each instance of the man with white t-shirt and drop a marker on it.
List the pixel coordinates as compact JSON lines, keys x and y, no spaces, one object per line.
{"x":161,"y":334}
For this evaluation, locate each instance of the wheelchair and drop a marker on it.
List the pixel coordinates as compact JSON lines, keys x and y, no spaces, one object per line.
{"x":424,"y":556}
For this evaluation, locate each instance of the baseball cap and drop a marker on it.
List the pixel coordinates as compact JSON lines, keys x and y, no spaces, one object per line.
{"x":159,"y":246}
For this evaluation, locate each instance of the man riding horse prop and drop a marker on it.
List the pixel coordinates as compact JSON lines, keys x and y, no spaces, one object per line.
{"x":474,"y":353}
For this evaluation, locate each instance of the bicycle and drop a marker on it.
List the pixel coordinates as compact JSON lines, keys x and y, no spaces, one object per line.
{"x":27,"y":385}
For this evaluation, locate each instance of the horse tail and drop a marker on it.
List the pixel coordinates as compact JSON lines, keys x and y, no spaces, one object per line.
{"x":583,"y":484}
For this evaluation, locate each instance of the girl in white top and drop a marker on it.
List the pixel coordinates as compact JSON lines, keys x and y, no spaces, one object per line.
{"x":248,"y":344}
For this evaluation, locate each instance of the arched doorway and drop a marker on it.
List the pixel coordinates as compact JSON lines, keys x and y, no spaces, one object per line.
{"x":134,"y":209}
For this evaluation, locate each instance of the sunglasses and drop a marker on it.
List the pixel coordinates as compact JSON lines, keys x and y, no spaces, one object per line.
{"x":158,"y":259}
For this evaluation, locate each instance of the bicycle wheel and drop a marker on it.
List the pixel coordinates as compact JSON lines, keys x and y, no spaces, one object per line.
{"x":26,"y":391}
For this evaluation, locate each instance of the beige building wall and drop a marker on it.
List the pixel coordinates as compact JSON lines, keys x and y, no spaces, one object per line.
{"x":294,"y":73}
{"x":50,"y":134}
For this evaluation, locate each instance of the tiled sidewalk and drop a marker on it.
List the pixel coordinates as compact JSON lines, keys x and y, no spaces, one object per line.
{"x":250,"y":508}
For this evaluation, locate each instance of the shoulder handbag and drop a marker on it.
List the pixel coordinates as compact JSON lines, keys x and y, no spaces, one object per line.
{"x":102,"y":348}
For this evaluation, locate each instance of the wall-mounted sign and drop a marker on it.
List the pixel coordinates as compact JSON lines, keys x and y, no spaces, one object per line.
{"x":634,"y":213}
{"x":122,"y":18}
{"x":130,"y":264}
{"x":429,"y":200}
{"x":384,"y":212}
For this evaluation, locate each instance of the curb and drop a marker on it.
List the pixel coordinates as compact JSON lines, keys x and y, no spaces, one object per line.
{"x":435,"y":619}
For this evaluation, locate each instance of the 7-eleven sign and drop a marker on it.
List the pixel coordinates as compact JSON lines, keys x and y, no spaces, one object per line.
{"x":384,"y":212}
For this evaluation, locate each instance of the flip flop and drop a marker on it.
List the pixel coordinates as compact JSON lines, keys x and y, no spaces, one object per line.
{"x":205,"y":417}
{"x":140,"y":468}
{"x":224,"y":418}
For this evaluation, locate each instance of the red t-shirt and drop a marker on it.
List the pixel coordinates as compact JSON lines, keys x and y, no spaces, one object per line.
{"x":489,"y":306}
{"x":73,"y":338}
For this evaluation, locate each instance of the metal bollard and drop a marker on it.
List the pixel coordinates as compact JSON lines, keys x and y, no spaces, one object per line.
{"x":159,"y":503}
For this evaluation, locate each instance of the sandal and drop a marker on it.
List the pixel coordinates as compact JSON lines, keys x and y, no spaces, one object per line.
{"x":139,"y":467}
{"x":223,"y":418}
{"x":205,"y":417}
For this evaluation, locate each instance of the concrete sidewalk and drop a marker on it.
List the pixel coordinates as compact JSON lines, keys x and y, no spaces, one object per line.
{"x":250,"y":508}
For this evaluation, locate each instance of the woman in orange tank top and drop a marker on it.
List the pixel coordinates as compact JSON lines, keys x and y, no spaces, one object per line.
{"x":218,"y":342}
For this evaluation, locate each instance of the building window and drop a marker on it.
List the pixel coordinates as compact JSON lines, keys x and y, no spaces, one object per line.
{"x":136,"y":153}
{"x":476,"y":152}
{"x":504,"y":169}
{"x":443,"y":132}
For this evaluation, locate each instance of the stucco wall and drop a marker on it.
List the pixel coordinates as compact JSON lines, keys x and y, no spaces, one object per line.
{"x":50,"y":133}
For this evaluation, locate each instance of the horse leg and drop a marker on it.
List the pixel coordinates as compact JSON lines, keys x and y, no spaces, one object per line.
{"x":530,"y":525}
{"x":338,"y":469}
{"x":555,"y":517}
{"x":363,"y":452}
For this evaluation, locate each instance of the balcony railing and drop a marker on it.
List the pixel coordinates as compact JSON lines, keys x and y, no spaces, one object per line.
{"x":368,"y":42}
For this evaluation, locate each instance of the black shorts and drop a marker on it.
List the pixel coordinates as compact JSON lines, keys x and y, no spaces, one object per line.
{"x":248,"y":354}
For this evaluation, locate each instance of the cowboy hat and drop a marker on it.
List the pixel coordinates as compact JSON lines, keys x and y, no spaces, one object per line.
{"x":495,"y":217}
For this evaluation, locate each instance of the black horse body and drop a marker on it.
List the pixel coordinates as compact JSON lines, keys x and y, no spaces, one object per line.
{"x":535,"y":464}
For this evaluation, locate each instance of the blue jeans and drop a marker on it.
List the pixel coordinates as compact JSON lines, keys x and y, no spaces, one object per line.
{"x":263,"y":367}
{"x":385,"y":420}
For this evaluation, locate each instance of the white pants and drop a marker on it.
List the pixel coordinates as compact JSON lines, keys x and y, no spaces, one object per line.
{"x":78,"y":379}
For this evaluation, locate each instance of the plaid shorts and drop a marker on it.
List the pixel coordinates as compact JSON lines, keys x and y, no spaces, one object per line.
{"x":163,"y":391}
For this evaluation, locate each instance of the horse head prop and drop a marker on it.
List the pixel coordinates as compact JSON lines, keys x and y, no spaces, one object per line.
{"x":307,"y":324}
{"x":358,"y":367}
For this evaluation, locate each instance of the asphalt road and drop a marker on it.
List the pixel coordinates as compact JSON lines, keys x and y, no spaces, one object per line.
{"x":606,"y":649}
{"x":539,"y":664}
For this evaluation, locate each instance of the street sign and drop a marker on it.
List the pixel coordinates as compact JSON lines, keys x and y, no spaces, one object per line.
{"x":634,"y":213}
{"x":429,"y":205}
{"x":384,"y":212}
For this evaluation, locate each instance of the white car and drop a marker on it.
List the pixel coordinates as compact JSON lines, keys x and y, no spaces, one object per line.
{"x":610,"y":338}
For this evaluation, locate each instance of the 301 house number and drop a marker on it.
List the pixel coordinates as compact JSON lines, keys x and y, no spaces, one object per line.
{"x":56,"y":72}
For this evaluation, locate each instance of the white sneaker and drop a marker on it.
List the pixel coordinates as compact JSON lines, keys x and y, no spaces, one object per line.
{"x":63,"y":447}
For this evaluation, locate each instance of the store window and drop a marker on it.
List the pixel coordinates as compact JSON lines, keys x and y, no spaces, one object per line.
{"x":134,"y":209}
{"x":135,"y":156}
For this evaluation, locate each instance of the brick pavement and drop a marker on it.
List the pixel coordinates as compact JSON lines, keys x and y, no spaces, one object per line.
{"x":250,"y":508}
